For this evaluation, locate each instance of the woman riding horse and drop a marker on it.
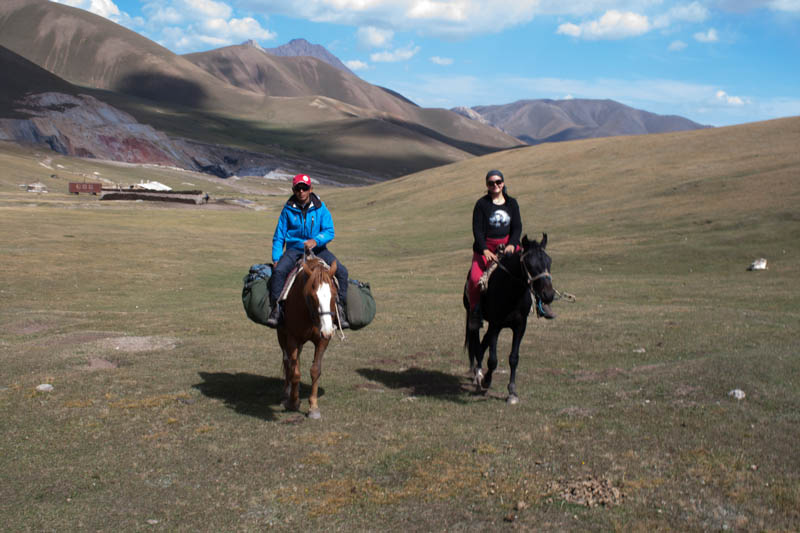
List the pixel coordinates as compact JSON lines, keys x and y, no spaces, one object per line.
{"x":496,"y":224}
{"x":520,"y":276}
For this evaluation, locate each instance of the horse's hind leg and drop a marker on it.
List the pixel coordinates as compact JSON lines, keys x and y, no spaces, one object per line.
{"x":316,"y":372}
{"x":513,"y":360}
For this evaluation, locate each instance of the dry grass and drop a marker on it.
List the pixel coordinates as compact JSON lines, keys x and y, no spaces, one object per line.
{"x":181,"y":428}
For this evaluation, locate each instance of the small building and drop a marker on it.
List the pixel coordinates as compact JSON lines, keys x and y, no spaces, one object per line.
{"x":92,"y":188}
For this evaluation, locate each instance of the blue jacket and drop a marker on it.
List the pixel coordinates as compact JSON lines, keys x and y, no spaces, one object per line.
{"x":296,"y":225}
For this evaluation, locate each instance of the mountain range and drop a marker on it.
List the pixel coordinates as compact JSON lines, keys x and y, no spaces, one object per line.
{"x":295,"y":107}
{"x":538,"y":121}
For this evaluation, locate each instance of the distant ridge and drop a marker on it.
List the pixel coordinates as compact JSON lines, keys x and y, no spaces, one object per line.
{"x":540,"y":121}
{"x":301,"y":47}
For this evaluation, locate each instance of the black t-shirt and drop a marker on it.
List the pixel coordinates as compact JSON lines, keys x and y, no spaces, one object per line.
{"x":495,"y":222}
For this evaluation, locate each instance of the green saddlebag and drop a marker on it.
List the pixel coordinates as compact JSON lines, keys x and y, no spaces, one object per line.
{"x":255,"y":293}
{"x":360,"y":304}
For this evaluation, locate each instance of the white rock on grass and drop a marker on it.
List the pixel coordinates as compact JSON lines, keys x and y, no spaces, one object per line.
{"x":758,"y":264}
{"x":737,"y":393}
{"x":44,"y":387}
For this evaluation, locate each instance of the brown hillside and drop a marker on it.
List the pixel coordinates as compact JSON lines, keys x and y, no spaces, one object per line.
{"x":182,"y":99}
{"x":251,"y":68}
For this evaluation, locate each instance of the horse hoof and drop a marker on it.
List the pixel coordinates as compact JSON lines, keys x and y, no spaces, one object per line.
{"x":479,"y":380}
{"x":513,"y":399}
{"x":291,"y":407}
{"x":314,"y":414}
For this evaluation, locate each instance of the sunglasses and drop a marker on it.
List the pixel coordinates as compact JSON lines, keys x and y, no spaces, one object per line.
{"x":492,"y":183}
{"x":302,"y":188}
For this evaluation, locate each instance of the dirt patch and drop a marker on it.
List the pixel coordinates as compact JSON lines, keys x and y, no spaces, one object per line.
{"x":98,"y":363}
{"x":139,"y":344}
{"x":601,"y":375}
{"x":591,"y":492}
{"x":578,"y":412}
{"x":28,"y":327}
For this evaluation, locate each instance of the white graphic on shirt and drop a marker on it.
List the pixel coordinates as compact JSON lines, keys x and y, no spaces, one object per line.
{"x":499,"y":219}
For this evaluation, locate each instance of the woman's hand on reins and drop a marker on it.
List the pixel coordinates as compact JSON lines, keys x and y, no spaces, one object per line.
{"x":489,"y":255}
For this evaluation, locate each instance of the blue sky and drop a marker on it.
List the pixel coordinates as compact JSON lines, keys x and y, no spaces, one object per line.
{"x":718,"y":62}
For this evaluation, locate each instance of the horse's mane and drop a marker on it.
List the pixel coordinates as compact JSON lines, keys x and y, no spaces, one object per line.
{"x":318,"y":267}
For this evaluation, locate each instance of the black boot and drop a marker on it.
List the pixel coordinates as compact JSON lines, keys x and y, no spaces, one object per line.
{"x":275,"y":315}
{"x":543,"y":310}
{"x":343,"y":323}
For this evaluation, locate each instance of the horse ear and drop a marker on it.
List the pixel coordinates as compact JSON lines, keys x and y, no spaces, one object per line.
{"x":544,"y":240}
{"x":306,"y":269}
{"x":333,"y":268}
{"x":525,"y":242}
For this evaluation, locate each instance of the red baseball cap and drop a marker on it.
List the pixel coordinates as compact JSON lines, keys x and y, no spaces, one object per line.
{"x":301,"y":178}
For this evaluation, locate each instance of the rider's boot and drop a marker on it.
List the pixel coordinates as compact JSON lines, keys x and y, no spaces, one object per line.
{"x":543,"y":310}
{"x":275,"y":315}
{"x":343,"y":323}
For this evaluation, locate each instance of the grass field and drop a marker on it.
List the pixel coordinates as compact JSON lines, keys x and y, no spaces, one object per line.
{"x":165,"y":412}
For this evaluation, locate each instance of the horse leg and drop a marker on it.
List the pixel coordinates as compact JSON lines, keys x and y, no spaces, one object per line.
{"x":316,"y":372}
{"x":475,"y":356}
{"x":490,"y":340}
{"x":513,"y":359}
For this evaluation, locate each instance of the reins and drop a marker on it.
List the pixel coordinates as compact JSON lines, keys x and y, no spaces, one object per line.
{"x":559,"y":295}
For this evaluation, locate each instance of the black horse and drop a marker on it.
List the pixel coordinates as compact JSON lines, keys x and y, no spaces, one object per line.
{"x":507,"y":304}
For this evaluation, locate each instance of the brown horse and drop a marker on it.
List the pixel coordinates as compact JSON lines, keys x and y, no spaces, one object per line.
{"x":308,"y":315}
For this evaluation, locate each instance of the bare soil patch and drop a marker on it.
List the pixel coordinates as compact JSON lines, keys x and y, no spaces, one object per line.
{"x":98,"y":363}
{"x":139,"y":344}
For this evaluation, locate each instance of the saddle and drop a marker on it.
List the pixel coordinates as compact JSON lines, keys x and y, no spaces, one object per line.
{"x":287,"y":286}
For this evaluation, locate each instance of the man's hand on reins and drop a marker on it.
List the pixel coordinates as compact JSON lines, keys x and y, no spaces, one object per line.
{"x":310,"y":244}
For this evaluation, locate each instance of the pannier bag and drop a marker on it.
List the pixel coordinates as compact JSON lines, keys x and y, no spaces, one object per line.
{"x":360,"y":304}
{"x":255,"y":293}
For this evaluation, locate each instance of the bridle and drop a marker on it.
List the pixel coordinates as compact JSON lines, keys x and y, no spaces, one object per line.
{"x":531,"y":278}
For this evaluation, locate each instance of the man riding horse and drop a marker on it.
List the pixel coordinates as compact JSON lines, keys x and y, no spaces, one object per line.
{"x":496,"y":224}
{"x":304,"y":225}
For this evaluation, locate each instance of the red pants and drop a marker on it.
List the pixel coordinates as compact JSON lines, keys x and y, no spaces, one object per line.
{"x":479,"y":266}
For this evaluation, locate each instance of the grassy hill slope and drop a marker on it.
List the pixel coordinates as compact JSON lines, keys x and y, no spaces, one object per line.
{"x":133,"y":313}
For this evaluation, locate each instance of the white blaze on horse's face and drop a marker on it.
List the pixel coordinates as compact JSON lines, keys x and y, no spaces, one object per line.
{"x":324,"y":297}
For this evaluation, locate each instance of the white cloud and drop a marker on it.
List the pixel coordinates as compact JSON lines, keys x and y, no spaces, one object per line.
{"x":400,"y":54}
{"x":676,"y":46}
{"x":104,"y":8}
{"x":356,"y":65}
{"x":373,"y":37}
{"x":191,"y":25}
{"x":694,"y":13}
{"x":791,"y":6}
{"x":449,"y":18}
{"x":725,"y":98}
{"x":709,"y":36}
{"x":442,"y":61}
{"x":612,"y":25}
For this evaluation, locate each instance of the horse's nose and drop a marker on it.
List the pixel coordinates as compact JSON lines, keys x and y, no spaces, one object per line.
{"x":548,"y":293}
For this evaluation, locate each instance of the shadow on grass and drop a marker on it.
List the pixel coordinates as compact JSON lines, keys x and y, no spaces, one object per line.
{"x":248,"y":394}
{"x":420,"y":382}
